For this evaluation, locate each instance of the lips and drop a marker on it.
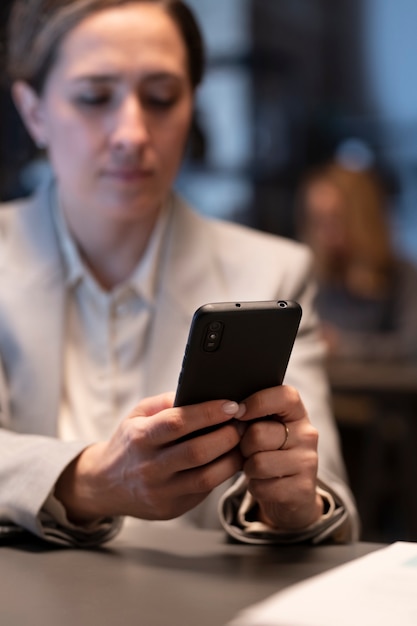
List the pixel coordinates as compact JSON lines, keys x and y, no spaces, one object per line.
{"x":129,"y":175}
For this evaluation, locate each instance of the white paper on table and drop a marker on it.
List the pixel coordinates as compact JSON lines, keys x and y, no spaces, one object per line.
{"x":378,"y":589}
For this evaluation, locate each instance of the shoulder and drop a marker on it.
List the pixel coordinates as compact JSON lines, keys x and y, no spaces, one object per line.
{"x":243,"y":240}
{"x":9,"y":211}
{"x":10,"y":223}
{"x":27,"y":235}
{"x":248,"y":263}
{"x":251,"y":240}
{"x":15,"y":214}
{"x":245,"y":251}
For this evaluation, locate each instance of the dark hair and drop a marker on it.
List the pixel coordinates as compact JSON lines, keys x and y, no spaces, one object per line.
{"x":37,"y":27}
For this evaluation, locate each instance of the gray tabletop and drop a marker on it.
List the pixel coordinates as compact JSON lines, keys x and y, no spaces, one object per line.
{"x":152,"y":575}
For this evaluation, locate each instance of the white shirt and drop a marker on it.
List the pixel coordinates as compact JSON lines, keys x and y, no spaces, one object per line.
{"x":106,"y":340}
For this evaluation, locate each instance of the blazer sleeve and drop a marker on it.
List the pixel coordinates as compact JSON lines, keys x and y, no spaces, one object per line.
{"x":29,"y":468}
{"x":307,"y":373}
{"x":30,"y":465}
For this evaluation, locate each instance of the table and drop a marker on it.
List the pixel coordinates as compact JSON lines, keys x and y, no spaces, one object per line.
{"x":152,"y":575}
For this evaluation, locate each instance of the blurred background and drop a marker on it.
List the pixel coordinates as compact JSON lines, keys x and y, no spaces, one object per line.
{"x":288,"y":82}
{"x":291,"y":84}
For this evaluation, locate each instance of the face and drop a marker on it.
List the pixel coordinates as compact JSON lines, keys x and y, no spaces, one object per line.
{"x":324,"y":218}
{"x":115,"y":112}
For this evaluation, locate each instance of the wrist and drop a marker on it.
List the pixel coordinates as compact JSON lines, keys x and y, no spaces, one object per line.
{"x":282,"y":519}
{"x":78,"y":488}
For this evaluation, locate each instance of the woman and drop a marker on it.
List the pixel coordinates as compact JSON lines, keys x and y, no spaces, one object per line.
{"x":367,"y":296}
{"x":102,"y":272}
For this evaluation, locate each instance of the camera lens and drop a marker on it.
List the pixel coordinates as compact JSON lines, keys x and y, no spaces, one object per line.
{"x":212,"y":336}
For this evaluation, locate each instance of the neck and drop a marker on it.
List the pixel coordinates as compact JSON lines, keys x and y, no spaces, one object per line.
{"x":112,"y":249}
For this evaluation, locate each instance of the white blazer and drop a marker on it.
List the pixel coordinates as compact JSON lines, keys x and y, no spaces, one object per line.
{"x":203,"y":261}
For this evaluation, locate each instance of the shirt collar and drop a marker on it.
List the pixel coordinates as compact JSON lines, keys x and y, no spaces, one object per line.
{"x":143,"y":279}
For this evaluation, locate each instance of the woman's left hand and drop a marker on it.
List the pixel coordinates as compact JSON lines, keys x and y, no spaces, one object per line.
{"x":281,"y":458}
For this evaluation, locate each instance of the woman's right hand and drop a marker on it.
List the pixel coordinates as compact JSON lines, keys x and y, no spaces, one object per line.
{"x":151,"y":468}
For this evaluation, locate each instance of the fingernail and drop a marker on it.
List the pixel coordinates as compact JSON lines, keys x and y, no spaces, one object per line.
{"x":242,"y":410}
{"x":230,"y":408}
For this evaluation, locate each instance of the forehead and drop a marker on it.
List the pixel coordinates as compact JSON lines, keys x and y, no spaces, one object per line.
{"x":135,"y":37}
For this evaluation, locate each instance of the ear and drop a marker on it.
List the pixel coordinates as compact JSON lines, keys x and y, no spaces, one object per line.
{"x":30,"y":107}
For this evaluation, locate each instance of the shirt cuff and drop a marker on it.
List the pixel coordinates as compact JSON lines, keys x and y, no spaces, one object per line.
{"x":248,"y":503}
{"x":55,"y":526}
{"x":237,"y":503}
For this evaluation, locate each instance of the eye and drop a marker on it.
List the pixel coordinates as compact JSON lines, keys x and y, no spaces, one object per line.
{"x":160,"y":94}
{"x":94,"y":99}
{"x":158,"y":103}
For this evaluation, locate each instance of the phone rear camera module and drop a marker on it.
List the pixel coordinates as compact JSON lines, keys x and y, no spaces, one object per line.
{"x":212,"y":336}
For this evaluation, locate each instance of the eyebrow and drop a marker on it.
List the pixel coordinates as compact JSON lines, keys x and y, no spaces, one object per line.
{"x":151,"y":77}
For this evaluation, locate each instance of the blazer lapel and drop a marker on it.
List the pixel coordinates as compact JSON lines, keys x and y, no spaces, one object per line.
{"x":189,"y":277}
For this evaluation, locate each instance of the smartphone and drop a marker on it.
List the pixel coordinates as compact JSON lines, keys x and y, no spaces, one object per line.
{"x":237,"y":348}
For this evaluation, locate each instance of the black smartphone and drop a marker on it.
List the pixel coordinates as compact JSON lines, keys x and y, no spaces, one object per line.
{"x":237,"y":348}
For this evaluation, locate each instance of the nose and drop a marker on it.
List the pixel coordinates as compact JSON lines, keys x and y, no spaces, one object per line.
{"x":130,"y":131}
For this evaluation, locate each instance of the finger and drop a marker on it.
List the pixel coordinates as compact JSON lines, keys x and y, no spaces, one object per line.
{"x":290,"y":492}
{"x":201,"y":450}
{"x":265,"y":435}
{"x":179,"y":491}
{"x":266,"y":465}
{"x":203,"y":480}
{"x":152,"y":405}
{"x":283,"y":400}
{"x":176,"y":423}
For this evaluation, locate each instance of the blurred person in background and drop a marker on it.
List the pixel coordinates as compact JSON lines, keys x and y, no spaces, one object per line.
{"x":367,"y":293}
